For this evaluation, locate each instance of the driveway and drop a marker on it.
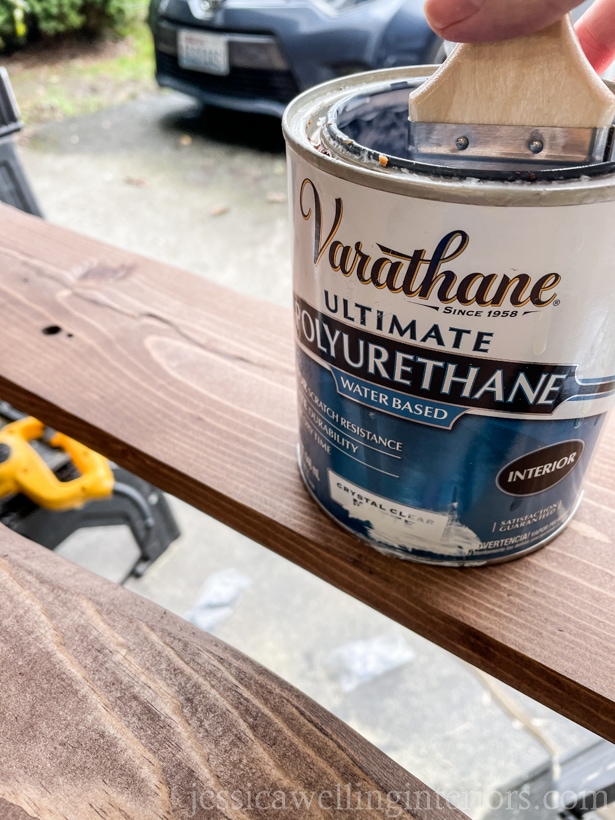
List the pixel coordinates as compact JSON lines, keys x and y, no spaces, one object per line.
{"x":157,"y":176}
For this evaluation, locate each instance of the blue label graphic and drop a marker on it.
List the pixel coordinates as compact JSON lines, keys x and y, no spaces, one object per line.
{"x":442,"y":376}
{"x":430,"y":491}
{"x":396,"y":403}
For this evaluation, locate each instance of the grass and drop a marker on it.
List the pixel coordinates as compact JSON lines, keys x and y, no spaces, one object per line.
{"x":76,"y":75}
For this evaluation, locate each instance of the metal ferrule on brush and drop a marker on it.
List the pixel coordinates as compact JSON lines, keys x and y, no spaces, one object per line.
{"x":466,"y":146}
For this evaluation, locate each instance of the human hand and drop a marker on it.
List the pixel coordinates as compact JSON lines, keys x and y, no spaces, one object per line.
{"x":464,"y":21}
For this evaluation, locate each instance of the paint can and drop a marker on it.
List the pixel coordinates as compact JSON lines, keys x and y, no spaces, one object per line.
{"x":455,"y":344}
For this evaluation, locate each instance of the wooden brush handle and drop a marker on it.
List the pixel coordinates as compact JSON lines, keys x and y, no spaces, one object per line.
{"x":543,"y":79}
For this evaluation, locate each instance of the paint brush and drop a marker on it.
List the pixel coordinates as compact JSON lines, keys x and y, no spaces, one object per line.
{"x":533,"y":101}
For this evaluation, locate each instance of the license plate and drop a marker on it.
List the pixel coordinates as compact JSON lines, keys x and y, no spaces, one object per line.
{"x":200,"y":51}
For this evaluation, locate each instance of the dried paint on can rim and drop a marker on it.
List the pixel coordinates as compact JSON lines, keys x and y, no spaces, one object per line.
{"x":455,"y":356}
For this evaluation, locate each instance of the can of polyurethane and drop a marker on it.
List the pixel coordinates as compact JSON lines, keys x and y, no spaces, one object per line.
{"x":455,"y":341}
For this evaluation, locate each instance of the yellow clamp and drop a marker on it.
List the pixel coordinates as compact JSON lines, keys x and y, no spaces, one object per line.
{"x":24,"y":471}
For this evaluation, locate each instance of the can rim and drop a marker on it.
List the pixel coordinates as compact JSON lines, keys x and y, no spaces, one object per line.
{"x":305,"y":125}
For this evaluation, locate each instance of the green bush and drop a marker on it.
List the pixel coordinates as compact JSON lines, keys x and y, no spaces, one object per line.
{"x":13,"y":27}
{"x":21,"y":20}
{"x":56,"y":16}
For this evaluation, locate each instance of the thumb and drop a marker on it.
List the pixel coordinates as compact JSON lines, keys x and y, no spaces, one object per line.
{"x":596,"y":33}
{"x":470,"y":21}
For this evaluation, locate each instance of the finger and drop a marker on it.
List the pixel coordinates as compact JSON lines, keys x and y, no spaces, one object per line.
{"x":470,"y":21}
{"x":596,"y":33}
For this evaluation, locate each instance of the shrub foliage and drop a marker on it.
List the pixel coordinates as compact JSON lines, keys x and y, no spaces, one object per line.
{"x":23,"y":20}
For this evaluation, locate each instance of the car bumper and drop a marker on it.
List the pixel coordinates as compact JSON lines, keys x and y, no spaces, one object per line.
{"x":259,"y":78}
{"x":277,"y":49}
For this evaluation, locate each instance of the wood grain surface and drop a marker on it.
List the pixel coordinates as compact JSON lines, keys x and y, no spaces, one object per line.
{"x":111,"y":707}
{"x":192,"y":386}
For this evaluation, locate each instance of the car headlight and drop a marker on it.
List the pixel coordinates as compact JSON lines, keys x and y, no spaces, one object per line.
{"x":339,"y":6}
{"x":203,"y":9}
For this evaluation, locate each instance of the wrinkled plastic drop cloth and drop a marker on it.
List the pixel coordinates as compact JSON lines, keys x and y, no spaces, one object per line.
{"x":359,"y":662}
{"x":217,"y":598}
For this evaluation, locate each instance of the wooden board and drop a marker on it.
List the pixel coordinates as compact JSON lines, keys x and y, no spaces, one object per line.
{"x":113,"y":708}
{"x":192,"y":386}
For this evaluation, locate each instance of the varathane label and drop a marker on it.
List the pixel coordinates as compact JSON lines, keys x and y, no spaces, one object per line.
{"x":455,"y":364}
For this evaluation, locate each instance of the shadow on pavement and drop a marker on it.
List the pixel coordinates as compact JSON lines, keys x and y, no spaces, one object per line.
{"x":256,"y":131}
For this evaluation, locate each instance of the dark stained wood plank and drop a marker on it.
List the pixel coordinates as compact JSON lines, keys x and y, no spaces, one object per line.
{"x":111,"y":707}
{"x":192,"y":386}
{"x":9,"y":811}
